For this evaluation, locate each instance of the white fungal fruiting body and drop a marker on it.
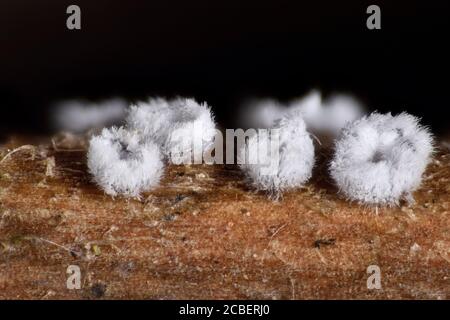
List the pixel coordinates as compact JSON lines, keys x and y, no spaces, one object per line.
{"x":78,"y":116}
{"x":180,"y":126}
{"x":121,"y":163}
{"x":192,"y":132}
{"x":380,"y":159}
{"x":289,"y":153}
{"x":151,"y":119}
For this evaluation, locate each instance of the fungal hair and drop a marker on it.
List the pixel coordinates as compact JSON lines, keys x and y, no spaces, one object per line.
{"x":121,"y":163}
{"x":175,"y":125}
{"x":295,"y":161}
{"x":380,"y":159}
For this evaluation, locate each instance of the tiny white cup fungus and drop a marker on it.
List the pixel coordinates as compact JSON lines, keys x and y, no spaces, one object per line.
{"x":280,"y":159}
{"x":122,"y":163}
{"x":380,"y":159}
{"x":180,"y":126}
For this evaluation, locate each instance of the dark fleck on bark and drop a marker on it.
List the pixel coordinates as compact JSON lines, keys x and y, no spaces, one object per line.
{"x":325,"y":242}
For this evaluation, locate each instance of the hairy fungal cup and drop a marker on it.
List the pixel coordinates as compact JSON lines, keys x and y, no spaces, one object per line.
{"x":380,"y":159}
{"x":183,"y":128}
{"x":121,"y":163}
{"x":281,"y":158}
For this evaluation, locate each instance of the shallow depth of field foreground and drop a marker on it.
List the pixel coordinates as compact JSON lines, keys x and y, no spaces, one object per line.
{"x":204,"y":234}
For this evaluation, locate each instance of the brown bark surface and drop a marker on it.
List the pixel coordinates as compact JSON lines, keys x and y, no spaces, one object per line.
{"x":204,"y":234}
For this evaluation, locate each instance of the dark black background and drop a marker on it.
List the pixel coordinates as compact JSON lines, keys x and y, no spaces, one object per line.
{"x":222,"y":52}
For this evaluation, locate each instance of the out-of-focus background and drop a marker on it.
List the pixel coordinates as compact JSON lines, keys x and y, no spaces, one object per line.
{"x":223,"y":52}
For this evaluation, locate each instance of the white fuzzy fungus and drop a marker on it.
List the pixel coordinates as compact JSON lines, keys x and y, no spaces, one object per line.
{"x":183,"y":128}
{"x":122,"y":163}
{"x":380,"y":159}
{"x":283,"y":163}
{"x":79,"y":116}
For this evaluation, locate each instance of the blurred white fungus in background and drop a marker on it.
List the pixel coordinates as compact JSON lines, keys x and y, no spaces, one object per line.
{"x":328,"y":116}
{"x":322,"y":117}
{"x":80,"y":115}
{"x":261,"y":114}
